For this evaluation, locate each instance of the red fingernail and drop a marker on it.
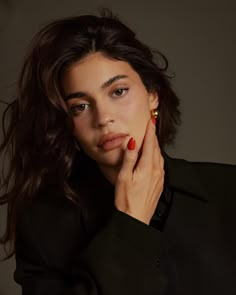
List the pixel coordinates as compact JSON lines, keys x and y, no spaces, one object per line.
{"x":154,"y":121}
{"x":131,"y":144}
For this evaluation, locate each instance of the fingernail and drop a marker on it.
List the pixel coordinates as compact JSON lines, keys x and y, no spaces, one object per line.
{"x":154,"y":120}
{"x":131,"y":144}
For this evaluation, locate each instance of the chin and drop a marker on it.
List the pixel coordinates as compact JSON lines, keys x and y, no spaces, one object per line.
{"x":112,"y":158}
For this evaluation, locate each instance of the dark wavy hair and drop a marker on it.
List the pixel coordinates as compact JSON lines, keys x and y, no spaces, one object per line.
{"x":37,"y":125}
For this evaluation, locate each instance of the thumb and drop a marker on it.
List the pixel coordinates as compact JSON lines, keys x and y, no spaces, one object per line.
{"x":130,"y":157}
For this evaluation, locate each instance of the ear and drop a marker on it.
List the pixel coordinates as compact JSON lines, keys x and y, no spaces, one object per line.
{"x":153,"y":100}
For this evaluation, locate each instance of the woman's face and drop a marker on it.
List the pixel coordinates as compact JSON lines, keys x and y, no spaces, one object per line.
{"x":110,"y":104}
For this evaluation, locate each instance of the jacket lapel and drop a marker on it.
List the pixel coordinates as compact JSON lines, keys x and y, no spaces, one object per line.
{"x":180,"y":175}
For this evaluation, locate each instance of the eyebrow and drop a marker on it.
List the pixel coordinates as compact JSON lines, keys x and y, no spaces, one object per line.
{"x":104,"y":85}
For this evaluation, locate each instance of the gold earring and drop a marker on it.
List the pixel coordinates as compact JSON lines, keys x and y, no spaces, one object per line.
{"x":155,"y":113}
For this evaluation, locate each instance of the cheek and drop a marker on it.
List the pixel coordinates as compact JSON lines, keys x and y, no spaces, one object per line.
{"x":137,"y":116}
{"x":138,"y":109}
{"x":138,"y":104}
{"x":80,"y":131}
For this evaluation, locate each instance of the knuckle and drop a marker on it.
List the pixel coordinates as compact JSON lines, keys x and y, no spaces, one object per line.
{"x":159,"y":174}
{"x":122,"y":176}
{"x":131,"y":157}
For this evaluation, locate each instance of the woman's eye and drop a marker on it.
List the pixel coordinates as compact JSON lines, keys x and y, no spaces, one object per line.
{"x":77,"y":109}
{"x":119,"y":92}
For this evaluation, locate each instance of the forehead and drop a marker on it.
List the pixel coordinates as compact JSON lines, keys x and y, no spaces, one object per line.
{"x":96,"y":68}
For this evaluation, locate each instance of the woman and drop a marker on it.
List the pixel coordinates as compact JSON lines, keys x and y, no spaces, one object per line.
{"x":95,"y":204}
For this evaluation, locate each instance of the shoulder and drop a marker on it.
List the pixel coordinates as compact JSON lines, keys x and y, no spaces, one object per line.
{"x":203,"y":178}
{"x":207,"y":168}
{"x":49,"y":230}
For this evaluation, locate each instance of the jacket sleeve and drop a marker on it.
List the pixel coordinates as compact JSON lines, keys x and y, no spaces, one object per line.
{"x":53,"y":255}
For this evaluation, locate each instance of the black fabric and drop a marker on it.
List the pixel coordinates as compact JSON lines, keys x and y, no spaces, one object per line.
{"x":188,"y":248}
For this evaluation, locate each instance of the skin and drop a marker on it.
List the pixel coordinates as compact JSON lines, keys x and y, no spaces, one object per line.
{"x":123,"y":106}
{"x":109,"y":109}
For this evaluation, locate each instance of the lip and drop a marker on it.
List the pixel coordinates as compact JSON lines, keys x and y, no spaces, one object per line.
{"x":111,"y":140}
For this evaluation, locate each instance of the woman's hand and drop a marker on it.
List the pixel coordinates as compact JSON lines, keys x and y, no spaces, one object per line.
{"x":140,"y":184}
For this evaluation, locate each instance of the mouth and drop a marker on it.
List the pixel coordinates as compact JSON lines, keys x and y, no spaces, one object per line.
{"x":111,"y":141}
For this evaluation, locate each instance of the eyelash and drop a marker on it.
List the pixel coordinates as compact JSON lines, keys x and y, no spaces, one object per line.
{"x":124,"y":89}
{"x":74,"y":108}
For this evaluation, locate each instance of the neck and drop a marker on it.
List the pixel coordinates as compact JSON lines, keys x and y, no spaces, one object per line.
{"x":110,"y":173}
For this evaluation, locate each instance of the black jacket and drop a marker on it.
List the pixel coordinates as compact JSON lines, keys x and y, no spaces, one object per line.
{"x":188,"y":248}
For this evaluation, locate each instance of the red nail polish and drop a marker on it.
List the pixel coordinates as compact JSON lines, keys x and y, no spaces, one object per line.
{"x":154,"y":121}
{"x":131,"y":144}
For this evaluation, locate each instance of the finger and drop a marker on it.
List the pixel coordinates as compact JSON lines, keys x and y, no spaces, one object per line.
{"x":158,"y":168}
{"x":149,"y":142}
{"x":157,"y":147}
{"x":157,"y":142}
{"x":129,"y":160}
{"x":158,"y":160}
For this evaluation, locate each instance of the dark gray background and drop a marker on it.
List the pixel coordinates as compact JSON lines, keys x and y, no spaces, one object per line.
{"x":198,"y":37}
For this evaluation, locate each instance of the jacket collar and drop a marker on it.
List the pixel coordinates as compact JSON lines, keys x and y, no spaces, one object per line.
{"x":182,"y":176}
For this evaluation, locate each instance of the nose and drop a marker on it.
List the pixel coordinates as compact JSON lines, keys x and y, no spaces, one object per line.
{"x":104,"y":114}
